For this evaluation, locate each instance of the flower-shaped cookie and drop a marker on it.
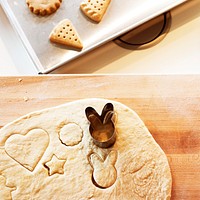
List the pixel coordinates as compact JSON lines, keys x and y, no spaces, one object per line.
{"x":43,"y":7}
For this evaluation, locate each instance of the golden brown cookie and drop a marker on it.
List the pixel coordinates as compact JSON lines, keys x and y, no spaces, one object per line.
{"x":43,"y":7}
{"x":95,"y":9}
{"x":65,"y":33}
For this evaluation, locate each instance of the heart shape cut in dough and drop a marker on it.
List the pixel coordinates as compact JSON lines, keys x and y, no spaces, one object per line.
{"x":27,"y":149}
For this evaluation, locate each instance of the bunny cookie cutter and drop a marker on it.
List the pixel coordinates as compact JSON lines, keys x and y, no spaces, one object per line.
{"x":102,"y":128}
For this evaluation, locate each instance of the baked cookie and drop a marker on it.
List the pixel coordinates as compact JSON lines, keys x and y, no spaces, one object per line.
{"x":43,"y":7}
{"x":65,"y":33}
{"x":95,"y":9}
{"x":50,"y":154}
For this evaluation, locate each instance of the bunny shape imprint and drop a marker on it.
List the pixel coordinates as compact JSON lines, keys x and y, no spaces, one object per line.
{"x":104,"y":171}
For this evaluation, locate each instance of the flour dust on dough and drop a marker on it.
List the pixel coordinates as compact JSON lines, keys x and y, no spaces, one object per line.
{"x":49,"y":154}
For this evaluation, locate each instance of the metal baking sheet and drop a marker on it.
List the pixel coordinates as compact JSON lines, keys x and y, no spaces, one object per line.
{"x":120,"y":17}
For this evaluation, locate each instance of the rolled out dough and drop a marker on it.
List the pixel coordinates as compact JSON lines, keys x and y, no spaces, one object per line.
{"x":38,"y":161}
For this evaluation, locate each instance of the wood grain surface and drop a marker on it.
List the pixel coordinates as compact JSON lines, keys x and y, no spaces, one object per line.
{"x":168,"y":105}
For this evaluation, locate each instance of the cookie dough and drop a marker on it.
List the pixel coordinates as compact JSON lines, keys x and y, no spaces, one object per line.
{"x":38,"y":161}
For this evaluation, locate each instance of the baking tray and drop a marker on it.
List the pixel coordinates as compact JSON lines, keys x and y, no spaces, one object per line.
{"x":121,"y":16}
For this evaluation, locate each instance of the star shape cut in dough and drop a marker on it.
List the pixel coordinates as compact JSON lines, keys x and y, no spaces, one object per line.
{"x":55,"y":165}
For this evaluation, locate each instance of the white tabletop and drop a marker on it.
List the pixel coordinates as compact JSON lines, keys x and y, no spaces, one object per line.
{"x":178,"y":53}
{"x":14,"y":59}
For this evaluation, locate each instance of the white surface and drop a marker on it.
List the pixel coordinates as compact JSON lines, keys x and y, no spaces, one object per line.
{"x":178,"y":53}
{"x":14,"y":59}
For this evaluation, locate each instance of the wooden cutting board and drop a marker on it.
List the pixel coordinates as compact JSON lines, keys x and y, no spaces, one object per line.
{"x":168,"y":105}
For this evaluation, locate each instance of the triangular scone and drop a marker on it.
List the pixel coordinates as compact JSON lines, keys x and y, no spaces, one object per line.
{"x":95,"y":9}
{"x":65,"y":33}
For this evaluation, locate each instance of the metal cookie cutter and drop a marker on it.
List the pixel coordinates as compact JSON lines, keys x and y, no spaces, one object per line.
{"x":102,"y":129}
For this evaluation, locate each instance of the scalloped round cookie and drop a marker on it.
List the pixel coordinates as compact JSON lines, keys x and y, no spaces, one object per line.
{"x":43,"y":7}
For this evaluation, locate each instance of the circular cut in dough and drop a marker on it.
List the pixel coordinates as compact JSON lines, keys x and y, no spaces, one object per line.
{"x":36,"y":164}
{"x":71,"y":134}
{"x":43,"y":7}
